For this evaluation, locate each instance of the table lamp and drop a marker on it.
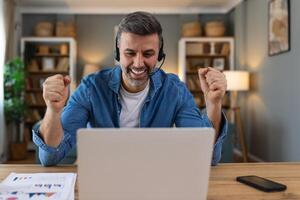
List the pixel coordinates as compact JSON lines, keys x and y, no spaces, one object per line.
{"x":237,"y":81}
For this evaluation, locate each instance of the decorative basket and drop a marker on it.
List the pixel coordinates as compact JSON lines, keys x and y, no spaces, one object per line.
{"x":44,"y":29}
{"x":191,"y":29}
{"x":214,"y":29}
{"x":65,"y":29}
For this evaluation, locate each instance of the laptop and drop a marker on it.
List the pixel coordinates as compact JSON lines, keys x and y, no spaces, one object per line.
{"x":144,"y":163}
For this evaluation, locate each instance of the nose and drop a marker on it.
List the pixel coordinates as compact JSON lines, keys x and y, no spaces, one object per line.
{"x":138,"y":60}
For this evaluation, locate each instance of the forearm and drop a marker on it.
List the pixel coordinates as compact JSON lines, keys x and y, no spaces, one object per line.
{"x":51,"y":129}
{"x":214,"y":113}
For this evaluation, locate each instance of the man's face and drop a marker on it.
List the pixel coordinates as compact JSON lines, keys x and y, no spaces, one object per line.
{"x":138,"y":57}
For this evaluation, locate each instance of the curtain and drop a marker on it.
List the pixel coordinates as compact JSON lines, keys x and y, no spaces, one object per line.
{"x":6,"y":22}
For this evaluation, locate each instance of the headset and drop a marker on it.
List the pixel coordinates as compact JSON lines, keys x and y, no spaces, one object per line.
{"x":161,"y":53}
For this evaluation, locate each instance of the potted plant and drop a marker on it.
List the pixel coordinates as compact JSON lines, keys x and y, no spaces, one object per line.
{"x":14,"y":107}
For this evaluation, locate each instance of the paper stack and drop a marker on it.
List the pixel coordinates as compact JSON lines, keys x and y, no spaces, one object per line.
{"x":47,"y":186}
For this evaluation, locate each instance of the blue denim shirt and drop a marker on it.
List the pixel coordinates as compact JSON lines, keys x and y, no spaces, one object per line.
{"x":96,"y":103}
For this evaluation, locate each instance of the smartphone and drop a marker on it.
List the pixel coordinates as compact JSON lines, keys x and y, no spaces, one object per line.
{"x":261,"y":183}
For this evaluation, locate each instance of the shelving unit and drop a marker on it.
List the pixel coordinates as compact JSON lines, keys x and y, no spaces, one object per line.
{"x":59,"y":57}
{"x":197,"y":52}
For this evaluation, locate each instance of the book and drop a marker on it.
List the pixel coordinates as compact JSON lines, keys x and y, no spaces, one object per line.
{"x":225,"y":49}
{"x":28,"y":83}
{"x":63,"y":65}
{"x":30,"y":99}
{"x":191,"y":84}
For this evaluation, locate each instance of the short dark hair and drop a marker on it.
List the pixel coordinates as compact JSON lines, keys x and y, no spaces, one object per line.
{"x":140,"y":23}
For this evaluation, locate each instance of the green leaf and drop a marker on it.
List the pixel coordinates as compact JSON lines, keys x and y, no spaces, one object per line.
{"x":14,"y":85}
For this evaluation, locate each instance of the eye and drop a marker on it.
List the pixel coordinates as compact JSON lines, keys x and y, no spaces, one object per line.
{"x":148,"y":54}
{"x":130,"y":54}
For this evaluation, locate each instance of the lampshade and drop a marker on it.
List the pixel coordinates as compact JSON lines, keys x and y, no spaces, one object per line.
{"x":237,"y":80}
{"x":90,"y":68}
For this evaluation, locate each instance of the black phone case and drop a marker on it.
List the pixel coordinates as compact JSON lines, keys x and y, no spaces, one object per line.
{"x":276,"y":186}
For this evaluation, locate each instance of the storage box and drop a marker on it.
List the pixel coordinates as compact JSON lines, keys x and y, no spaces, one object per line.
{"x":194,"y":49}
{"x":43,"y":50}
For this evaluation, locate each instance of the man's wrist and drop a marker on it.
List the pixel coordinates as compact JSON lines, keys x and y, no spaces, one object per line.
{"x":213,"y":105}
{"x":214,"y":111}
{"x":53,"y":113}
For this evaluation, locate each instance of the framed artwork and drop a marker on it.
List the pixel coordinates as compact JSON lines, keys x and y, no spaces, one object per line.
{"x":279,"y":26}
{"x":219,"y":63}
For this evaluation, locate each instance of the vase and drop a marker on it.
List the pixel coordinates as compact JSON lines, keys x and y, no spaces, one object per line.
{"x":18,"y":146}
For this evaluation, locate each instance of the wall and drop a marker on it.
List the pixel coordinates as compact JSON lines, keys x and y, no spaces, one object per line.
{"x":271,"y":108}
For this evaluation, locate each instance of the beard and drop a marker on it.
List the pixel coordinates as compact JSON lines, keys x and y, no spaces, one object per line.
{"x":136,"y":76}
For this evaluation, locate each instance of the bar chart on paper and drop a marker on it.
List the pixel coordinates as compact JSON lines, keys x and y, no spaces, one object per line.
{"x":42,"y":186}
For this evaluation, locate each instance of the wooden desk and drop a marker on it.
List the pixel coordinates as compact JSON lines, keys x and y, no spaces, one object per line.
{"x":222,"y":184}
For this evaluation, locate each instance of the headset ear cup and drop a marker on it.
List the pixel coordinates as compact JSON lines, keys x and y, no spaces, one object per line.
{"x":117,"y":54}
{"x":161,"y":55}
{"x":117,"y":51}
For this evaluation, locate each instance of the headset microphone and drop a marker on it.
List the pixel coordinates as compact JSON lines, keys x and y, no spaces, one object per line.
{"x":161,"y":64}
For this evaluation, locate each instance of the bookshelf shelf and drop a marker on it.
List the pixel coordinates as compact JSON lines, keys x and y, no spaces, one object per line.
{"x":206,"y":56}
{"x":196,"y":91}
{"x":191,"y":73}
{"x":47,"y":72}
{"x":37,"y":106}
{"x":51,"y":55}
{"x":37,"y":90}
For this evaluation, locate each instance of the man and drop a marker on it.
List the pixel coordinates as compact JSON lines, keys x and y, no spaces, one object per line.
{"x":134,"y":94}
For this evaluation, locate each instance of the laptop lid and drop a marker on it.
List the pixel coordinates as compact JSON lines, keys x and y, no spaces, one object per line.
{"x":144,"y":164}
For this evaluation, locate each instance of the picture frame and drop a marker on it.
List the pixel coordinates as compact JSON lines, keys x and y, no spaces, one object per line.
{"x":278,"y":27}
{"x":219,"y":63}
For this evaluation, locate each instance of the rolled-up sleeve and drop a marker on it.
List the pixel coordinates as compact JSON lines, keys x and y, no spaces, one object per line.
{"x":50,"y":156}
{"x":74,"y":116}
{"x":219,"y":142}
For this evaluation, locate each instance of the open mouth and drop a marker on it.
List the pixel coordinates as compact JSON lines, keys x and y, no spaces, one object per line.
{"x":138,"y":73}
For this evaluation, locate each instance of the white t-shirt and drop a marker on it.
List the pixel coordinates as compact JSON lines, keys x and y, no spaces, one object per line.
{"x":132,"y":104}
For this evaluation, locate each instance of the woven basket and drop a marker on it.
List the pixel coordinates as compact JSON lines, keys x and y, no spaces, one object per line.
{"x":214,"y":29}
{"x":64,"y":29}
{"x":191,"y":29}
{"x":44,"y":29}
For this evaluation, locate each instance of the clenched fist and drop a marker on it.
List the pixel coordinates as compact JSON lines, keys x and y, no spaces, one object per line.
{"x":56,"y":92}
{"x":213,"y":85}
